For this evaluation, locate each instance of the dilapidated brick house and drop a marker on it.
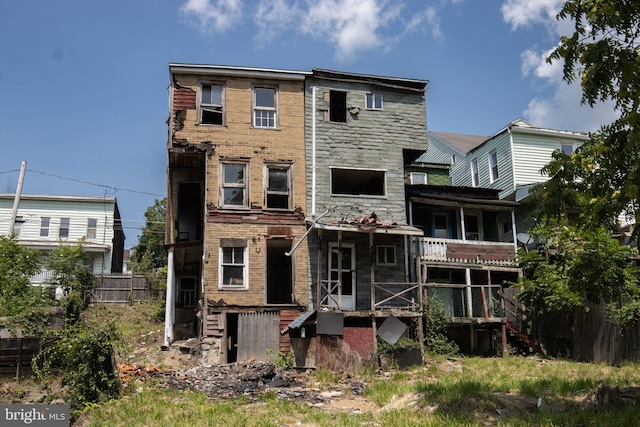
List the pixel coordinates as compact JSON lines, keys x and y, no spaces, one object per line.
{"x":236,"y":207}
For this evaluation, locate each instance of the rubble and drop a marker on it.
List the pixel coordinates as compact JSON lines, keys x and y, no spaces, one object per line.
{"x":251,"y":379}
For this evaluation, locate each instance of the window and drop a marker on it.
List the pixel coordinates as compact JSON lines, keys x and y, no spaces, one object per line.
{"x":373,"y":101}
{"x":17,"y":225}
{"x":187,"y":292}
{"x":278,"y":191}
{"x":211,"y":104}
{"x":234,"y":185}
{"x":358,"y":182}
{"x":453,"y":159}
{"x":440,"y":226}
{"x":45,"y":221}
{"x":233,"y":263}
{"x":385,"y":255}
{"x":474,"y":172}
{"x":338,"y":106}
{"x":506,"y":228}
{"x":493,"y":165}
{"x":418,"y":178}
{"x":264,"y":107}
{"x":471,"y":227}
{"x":64,"y":228}
{"x":92,"y":228}
{"x":567,"y":149}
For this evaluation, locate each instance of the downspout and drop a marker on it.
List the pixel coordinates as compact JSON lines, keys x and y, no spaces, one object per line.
{"x":313,"y":151}
{"x":169,"y":315}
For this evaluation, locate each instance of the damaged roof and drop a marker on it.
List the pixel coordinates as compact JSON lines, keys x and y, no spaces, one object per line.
{"x":396,"y":82}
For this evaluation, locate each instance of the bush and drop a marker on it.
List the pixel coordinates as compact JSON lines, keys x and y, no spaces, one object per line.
{"x":85,"y":355}
{"x":435,"y":322}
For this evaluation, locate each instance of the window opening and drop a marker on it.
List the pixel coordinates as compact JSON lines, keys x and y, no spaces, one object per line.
{"x":264,"y":110}
{"x":358,"y":182}
{"x":211,"y":108}
{"x":338,"y":106}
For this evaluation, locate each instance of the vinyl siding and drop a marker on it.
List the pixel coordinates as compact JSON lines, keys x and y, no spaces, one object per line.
{"x":438,"y":152}
{"x":461,"y":171}
{"x":78,"y":212}
{"x":531,"y":153}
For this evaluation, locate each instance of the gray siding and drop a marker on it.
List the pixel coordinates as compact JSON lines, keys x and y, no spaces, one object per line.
{"x":370,"y":139}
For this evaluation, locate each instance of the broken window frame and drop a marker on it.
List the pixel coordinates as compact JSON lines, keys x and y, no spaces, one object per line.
{"x":385,"y":255}
{"x":242,"y":185}
{"x":493,"y":166}
{"x":474,"y":172}
{"x":273,"y":194}
{"x":63,"y":230}
{"x":238,"y":260}
{"x":473,"y":235}
{"x":211,"y":107}
{"x":92,"y":228}
{"x":268,"y":114}
{"x":373,"y":101}
{"x":344,"y":180}
{"x":45,"y":224}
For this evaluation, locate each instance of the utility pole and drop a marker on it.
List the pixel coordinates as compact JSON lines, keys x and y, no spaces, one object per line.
{"x":16,"y":200}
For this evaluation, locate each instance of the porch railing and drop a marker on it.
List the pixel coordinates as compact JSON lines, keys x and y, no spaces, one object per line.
{"x":467,"y":301}
{"x":467,"y":251}
{"x":386,"y":295}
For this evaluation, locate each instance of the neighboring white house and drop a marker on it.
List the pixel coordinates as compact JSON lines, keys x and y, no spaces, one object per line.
{"x":509,"y":161}
{"x":44,"y":221}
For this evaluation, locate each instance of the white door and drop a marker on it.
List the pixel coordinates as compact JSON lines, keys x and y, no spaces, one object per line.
{"x":347,"y":280}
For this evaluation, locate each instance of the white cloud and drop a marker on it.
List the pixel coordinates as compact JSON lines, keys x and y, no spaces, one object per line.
{"x":213,"y":15}
{"x":561,"y":109}
{"x":520,"y":13}
{"x":349,"y":26}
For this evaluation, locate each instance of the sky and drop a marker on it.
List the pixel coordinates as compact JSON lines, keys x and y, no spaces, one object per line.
{"x":83,"y":83}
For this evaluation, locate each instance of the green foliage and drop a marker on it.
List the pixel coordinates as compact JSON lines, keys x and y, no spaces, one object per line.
{"x":85,"y":355}
{"x":435,"y":322}
{"x":602,"y":53}
{"x":402,"y":344}
{"x":149,"y":254}
{"x":281,"y":359}
{"x":17,"y":264}
{"x":576,"y":268}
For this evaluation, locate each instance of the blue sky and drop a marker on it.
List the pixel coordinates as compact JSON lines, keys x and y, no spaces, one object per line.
{"x":83,"y":84}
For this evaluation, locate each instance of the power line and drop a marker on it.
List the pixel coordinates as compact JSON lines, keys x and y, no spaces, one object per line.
{"x":111,"y":187}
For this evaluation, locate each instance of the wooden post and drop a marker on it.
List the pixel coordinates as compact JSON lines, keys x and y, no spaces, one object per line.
{"x":372,"y":268}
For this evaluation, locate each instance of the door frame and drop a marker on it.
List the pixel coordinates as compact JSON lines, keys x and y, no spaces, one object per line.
{"x":348,"y":303}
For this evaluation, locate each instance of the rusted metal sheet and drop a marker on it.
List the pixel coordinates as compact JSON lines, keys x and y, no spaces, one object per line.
{"x":258,"y":332}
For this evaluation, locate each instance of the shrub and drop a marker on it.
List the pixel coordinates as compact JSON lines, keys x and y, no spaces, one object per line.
{"x":435,"y":322}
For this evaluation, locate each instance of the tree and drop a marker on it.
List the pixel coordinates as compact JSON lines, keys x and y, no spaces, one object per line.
{"x":577,"y":267}
{"x":17,"y":264}
{"x":604,"y":54}
{"x":149,"y":254}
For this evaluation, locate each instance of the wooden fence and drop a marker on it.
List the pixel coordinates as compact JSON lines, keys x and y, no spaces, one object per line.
{"x":16,"y":354}
{"x":122,"y":289}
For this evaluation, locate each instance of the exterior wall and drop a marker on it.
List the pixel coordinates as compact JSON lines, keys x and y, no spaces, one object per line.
{"x":439,"y":152}
{"x":360,"y":340}
{"x":370,"y":139}
{"x":237,"y":139}
{"x":461,"y":171}
{"x":531,"y":153}
{"x":78,"y":210}
{"x":256,"y":292}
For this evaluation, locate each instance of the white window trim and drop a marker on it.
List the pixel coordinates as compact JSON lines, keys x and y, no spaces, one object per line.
{"x":493,"y":154}
{"x":67,"y":228}
{"x":414,"y":174}
{"x":568,"y":144}
{"x":475,"y":177}
{"x":222,"y":186}
{"x":200,"y":104}
{"x":245,"y":270}
{"x":95,"y":229}
{"x":48,"y":227}
{"x":386,"y":261}
{"x":373,"y":101}
{"x":289,"y":168}
{"x":276,"y":118}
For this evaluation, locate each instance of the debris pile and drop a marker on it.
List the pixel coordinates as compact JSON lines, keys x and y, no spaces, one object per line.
{"x":251,"y":379}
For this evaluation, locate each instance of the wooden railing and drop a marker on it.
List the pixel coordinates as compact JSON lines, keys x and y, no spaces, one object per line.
{"x":467,"y":301}
{"x":455,"y":251}
{"x":386,"y":295}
